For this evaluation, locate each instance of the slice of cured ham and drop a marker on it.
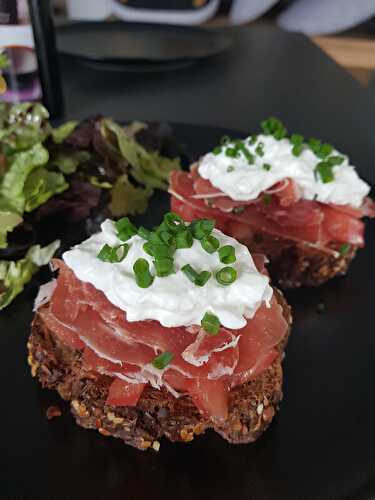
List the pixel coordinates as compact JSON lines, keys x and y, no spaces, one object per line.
{"x":279,"y":212}
{"x":203,"y":366}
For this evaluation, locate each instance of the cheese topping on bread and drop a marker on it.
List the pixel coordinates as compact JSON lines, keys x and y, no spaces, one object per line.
{"x":173,"y":300}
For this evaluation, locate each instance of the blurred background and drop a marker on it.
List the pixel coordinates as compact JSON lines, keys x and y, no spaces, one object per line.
{"x":344,"y":29}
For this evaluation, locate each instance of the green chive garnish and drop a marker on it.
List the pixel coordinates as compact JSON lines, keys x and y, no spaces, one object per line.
{"x":210,"y":244}
{"x":162,"y":360}
{"x":227,"y":254}
{"x":202,"y":227}
{"x":144,"y":233}
{"x":297,"y":149}
{"x":336,"y":160}
{"x":230,"y":168}
{"x":324,"y":169}
{"x":113,"y":254}
{"x":143,"y":277}
{"x":259,"y":149}
{"x":147,"y":247}
{"x":163,"y":267}
{"x":344,"y":249}
{"x":125,"y":229}
{"x":232,"y":153}
{"x":273,"y":126}
{"x":210,"y":323}
{"x":296,"y":139}
{"x":253,"y":139}
{"x":266,"y":166}
{"x":162,"y":251}
{"x":199,"y":279}
{"x":184,"y":239}
{"x":173,"y":222}
{"x":324,"y":151}
{"x":217,"y":150}
{"x":226,"y":276}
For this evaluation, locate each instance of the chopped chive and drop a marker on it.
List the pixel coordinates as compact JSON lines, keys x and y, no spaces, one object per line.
{"x":143,"y":277}
{"x":184,"y":239}
{"x":344,"y":249}
{"x":210,"y":323}
{"x":217,"y":150}
{"x":210,"y":244}
{"x":227,"y":254}
{"x":324,"y":151}
{"x":273,"y":126}
{"x":163,"y":267}
{"x":297,"y":149}
{"x":162,"y":251}
{"x":324,"y":169}
{"x":199,"y":279}
{"x":113,"y":254}
{"x":253,"y":139}
{"x":267,"y":198}
{"x":336,"y":160}
{"x":296,"y":139}
{"x":166,"y":237}
{"x":162,"y":360}
{"x":144,"y":233}
{"x":259,"y":149}
{"x":226,"y":276}
{"x":249,"y":156}
{"x":230,"y":168}
{"x":125,"y":229}
{"x":202,"y":227}
{"x":173,"y":222}
{"x":266,"y":166}
{"x":147,"y":247}
{"x":232,"y":153}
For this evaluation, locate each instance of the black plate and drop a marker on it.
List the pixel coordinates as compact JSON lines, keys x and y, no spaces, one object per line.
{"x":320,"y":446}
{"x":119,"y":43}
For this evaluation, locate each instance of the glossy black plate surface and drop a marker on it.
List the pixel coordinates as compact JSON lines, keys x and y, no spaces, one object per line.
{"x":320,"y":446}
{"x":119,"y":43}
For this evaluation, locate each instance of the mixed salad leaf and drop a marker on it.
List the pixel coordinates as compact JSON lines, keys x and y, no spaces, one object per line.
{"x":66,"y":174}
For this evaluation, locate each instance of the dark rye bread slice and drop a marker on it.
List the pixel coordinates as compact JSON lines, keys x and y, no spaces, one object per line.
{"x":295,"y":264}
{"x":252,"y":405}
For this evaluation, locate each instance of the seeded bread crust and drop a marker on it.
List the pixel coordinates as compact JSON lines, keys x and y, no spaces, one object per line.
{"x":293,"y":265}
{"x":252,"y":405}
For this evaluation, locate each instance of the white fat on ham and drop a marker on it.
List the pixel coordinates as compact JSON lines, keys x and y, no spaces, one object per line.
{"x":199,"y":352}
{"x":44,"y":294}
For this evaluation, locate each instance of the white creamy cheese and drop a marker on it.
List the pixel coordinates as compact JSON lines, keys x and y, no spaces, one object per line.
{"x":173,"y":300}
{"x":245,"y":182}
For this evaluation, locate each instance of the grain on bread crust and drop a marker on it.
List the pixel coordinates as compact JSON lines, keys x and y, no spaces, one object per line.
{"x":299,"y":264}
{"x":158,"y":413}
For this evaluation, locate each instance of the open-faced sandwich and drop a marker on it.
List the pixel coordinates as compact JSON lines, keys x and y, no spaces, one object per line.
{"x":299,"y":202}
{"x":159,"y":333}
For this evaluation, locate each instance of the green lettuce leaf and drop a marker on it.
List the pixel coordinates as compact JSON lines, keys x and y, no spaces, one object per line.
{"x":8,"y":221}
{"x":59,"y":134}
{"x":150,"y":169}
{"x":21,"y":165}
{"x":22,"y":125}
{"x":40,"y":186}
{"x":14,"y":275}
{"x":127,"y":199}
{"x":100,"y":184}
{"x":68,"y":162}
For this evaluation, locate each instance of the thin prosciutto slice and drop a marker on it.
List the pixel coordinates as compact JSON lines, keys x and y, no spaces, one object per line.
{"x":203,"y":366}
{"x":282,"y":213}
